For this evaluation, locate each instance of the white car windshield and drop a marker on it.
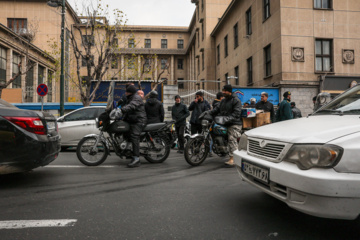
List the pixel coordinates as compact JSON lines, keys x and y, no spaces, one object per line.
{"x":346,"y":103}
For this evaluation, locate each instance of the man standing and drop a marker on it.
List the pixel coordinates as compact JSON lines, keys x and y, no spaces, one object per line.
{"x":219,"y":97}
{"x":296,"y":112}
{"x":284,"y":111}
{"x":267,"y":106}
{"x":230,"y":108}
{"x":252,"y":103}
{"x":179,"y":113}
{"x":154,"y":109}
{"x":135,"y":115}
{"x":198,"y":106}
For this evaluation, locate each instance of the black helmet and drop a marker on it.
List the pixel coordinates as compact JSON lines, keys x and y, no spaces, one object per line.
{"x":153,"y":94}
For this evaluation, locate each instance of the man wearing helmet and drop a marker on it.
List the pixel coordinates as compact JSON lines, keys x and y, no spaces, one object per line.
{"x":154,"y":109}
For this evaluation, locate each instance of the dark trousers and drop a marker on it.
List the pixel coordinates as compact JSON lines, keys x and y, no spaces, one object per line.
{"x":180,"y":130}
{"x":135,"y":131}
{"x":195,"y":128}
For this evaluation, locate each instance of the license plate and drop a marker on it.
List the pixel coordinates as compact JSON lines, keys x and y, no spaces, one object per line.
{"x":257,"y":172}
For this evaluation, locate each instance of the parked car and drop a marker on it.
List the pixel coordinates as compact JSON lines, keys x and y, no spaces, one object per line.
{"x":77,"y":124}
{"x":312,"y":164}
{"x":28,"y":139}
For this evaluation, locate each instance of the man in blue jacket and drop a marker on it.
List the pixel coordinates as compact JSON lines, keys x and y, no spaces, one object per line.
{"x":284,"y":111}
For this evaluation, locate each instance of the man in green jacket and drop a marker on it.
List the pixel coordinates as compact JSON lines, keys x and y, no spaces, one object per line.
{"x":284,"y":111}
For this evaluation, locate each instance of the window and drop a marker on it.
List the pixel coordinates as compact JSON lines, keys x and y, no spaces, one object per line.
{"x":226,"y":78}
{"x":218,"y":83}
{"x":15,"y":69}
{"x":236,"y":70}
{"x":180,"y":43}
{"x":267,"y":53}
{"x":114,"y":63}
{"x":266,"y":9}
{"x":198,"y":38}
{"x":114,"y":78}
{"x":147,"y":64}
{"x":323,"y":4}
{"x":147,"y":43}
{"x":3,"y":64}
{"x":82,"y":115}
{"x":18,"y":25}
{"x":202,"y":61}
{"x":49,"y":84}
{"x":131,"y":43}
{"x":84,"y":61}
{"x":163,"y":63}
{"x":88,"y":40}
{"x":236,"y":35}
{"x":202,"y":5}
{"x":248,"y":22}
{"x":203,"y":83}
{"x":218,"y":53}
{"x":163,"y":43}
{"x":226,"y":53}
{"x":180,"y":63}
{"x":115,"y":43}
{"x":202,"y":31}
{"x":250,"y":70}
{"x":164,"y":81}
{"x":198,"y":65}
{"x":180,"y":83}
{"x":84,"y":80}
{"x":131,"y":63}
{"x":323,"y":50}
{"x":29,"y":84}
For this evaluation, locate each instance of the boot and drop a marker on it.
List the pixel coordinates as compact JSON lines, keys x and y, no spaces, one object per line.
{"x":230,"y":162}
{"x":135,"y":162}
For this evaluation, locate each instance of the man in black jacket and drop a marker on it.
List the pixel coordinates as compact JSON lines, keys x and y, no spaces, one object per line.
{"x":267,"y":106}
{"x":296,"y":112}
{"x":179,"y":113}
{"x":154,"y":109}
{"x":198,"y":106}
{"x":135,"y":115}
{"x":230,"y":108}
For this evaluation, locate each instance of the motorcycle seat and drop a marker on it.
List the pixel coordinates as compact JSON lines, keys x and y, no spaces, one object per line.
{"x":153,"y":127}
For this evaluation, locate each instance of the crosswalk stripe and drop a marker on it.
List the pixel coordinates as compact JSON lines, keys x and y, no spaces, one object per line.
{"x":18,"y":224}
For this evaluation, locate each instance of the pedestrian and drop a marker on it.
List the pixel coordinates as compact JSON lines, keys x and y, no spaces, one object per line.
{"x":179,"y":112}
{"x":135,"y":115}
{"x":252,"y":103}
{"x":266,"y":106}
{"x":246,"y":105}
{"x":230,"y":107}
{"x":198,"y":106}
{"x":296,"y":112}
{"x":154,"y":109}
{"x":219,"y":97}
{"x":284,"y":110}
{"x":122,"y":100}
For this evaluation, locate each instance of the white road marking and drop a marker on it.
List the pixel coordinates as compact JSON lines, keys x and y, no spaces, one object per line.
{"x":74,"y":166}
{"x":18,"y":224}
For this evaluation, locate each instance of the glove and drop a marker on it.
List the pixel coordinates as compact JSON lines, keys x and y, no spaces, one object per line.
{"x":121,"y":101}
{"x":203,"y":114}
{"x":116,"y":114}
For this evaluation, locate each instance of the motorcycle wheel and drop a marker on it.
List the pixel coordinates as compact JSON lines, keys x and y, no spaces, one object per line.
{"x":159,"y":153}
{"x":87,"y":155}
{"x":196,"y":151}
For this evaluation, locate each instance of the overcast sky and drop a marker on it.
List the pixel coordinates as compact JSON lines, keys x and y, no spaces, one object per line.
{"x":152,"y":12}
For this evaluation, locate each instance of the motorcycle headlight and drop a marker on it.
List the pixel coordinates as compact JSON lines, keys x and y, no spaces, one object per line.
{"x":312,"y":156}
{"x":205,"y":123}
{"x":243,"y":142}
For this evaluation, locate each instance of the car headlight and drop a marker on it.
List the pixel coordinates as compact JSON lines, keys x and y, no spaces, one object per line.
{"x":312,"y":156}
{"x":243,"y":143}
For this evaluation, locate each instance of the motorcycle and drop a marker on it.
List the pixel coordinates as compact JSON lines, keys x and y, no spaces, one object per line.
{"x":93,"y":149}
{"x":198,"y":147}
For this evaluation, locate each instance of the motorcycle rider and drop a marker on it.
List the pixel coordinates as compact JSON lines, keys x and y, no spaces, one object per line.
{"x":154,"y":109}
{"x":135,"y":115}
{"x":198,"y":106}
{"x":179,"y":113}
{"x":230,"y":109}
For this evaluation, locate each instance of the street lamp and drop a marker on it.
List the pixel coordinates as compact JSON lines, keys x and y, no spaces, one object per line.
{"x":61,"y":3}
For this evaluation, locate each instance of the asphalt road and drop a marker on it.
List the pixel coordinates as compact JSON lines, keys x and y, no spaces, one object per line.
{"x":155,"y":201}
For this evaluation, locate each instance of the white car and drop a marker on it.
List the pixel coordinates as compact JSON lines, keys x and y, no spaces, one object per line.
{"x":313,"y":163}
{"x":77,"y":124}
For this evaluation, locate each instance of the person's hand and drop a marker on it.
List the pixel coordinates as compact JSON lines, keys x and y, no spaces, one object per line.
{"x":196,"y":100}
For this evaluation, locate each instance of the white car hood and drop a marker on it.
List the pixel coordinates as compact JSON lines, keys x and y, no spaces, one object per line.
{"x":313,"y":129}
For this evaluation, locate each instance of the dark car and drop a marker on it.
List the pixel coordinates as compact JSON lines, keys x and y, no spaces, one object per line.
{"x":28,"y":139}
